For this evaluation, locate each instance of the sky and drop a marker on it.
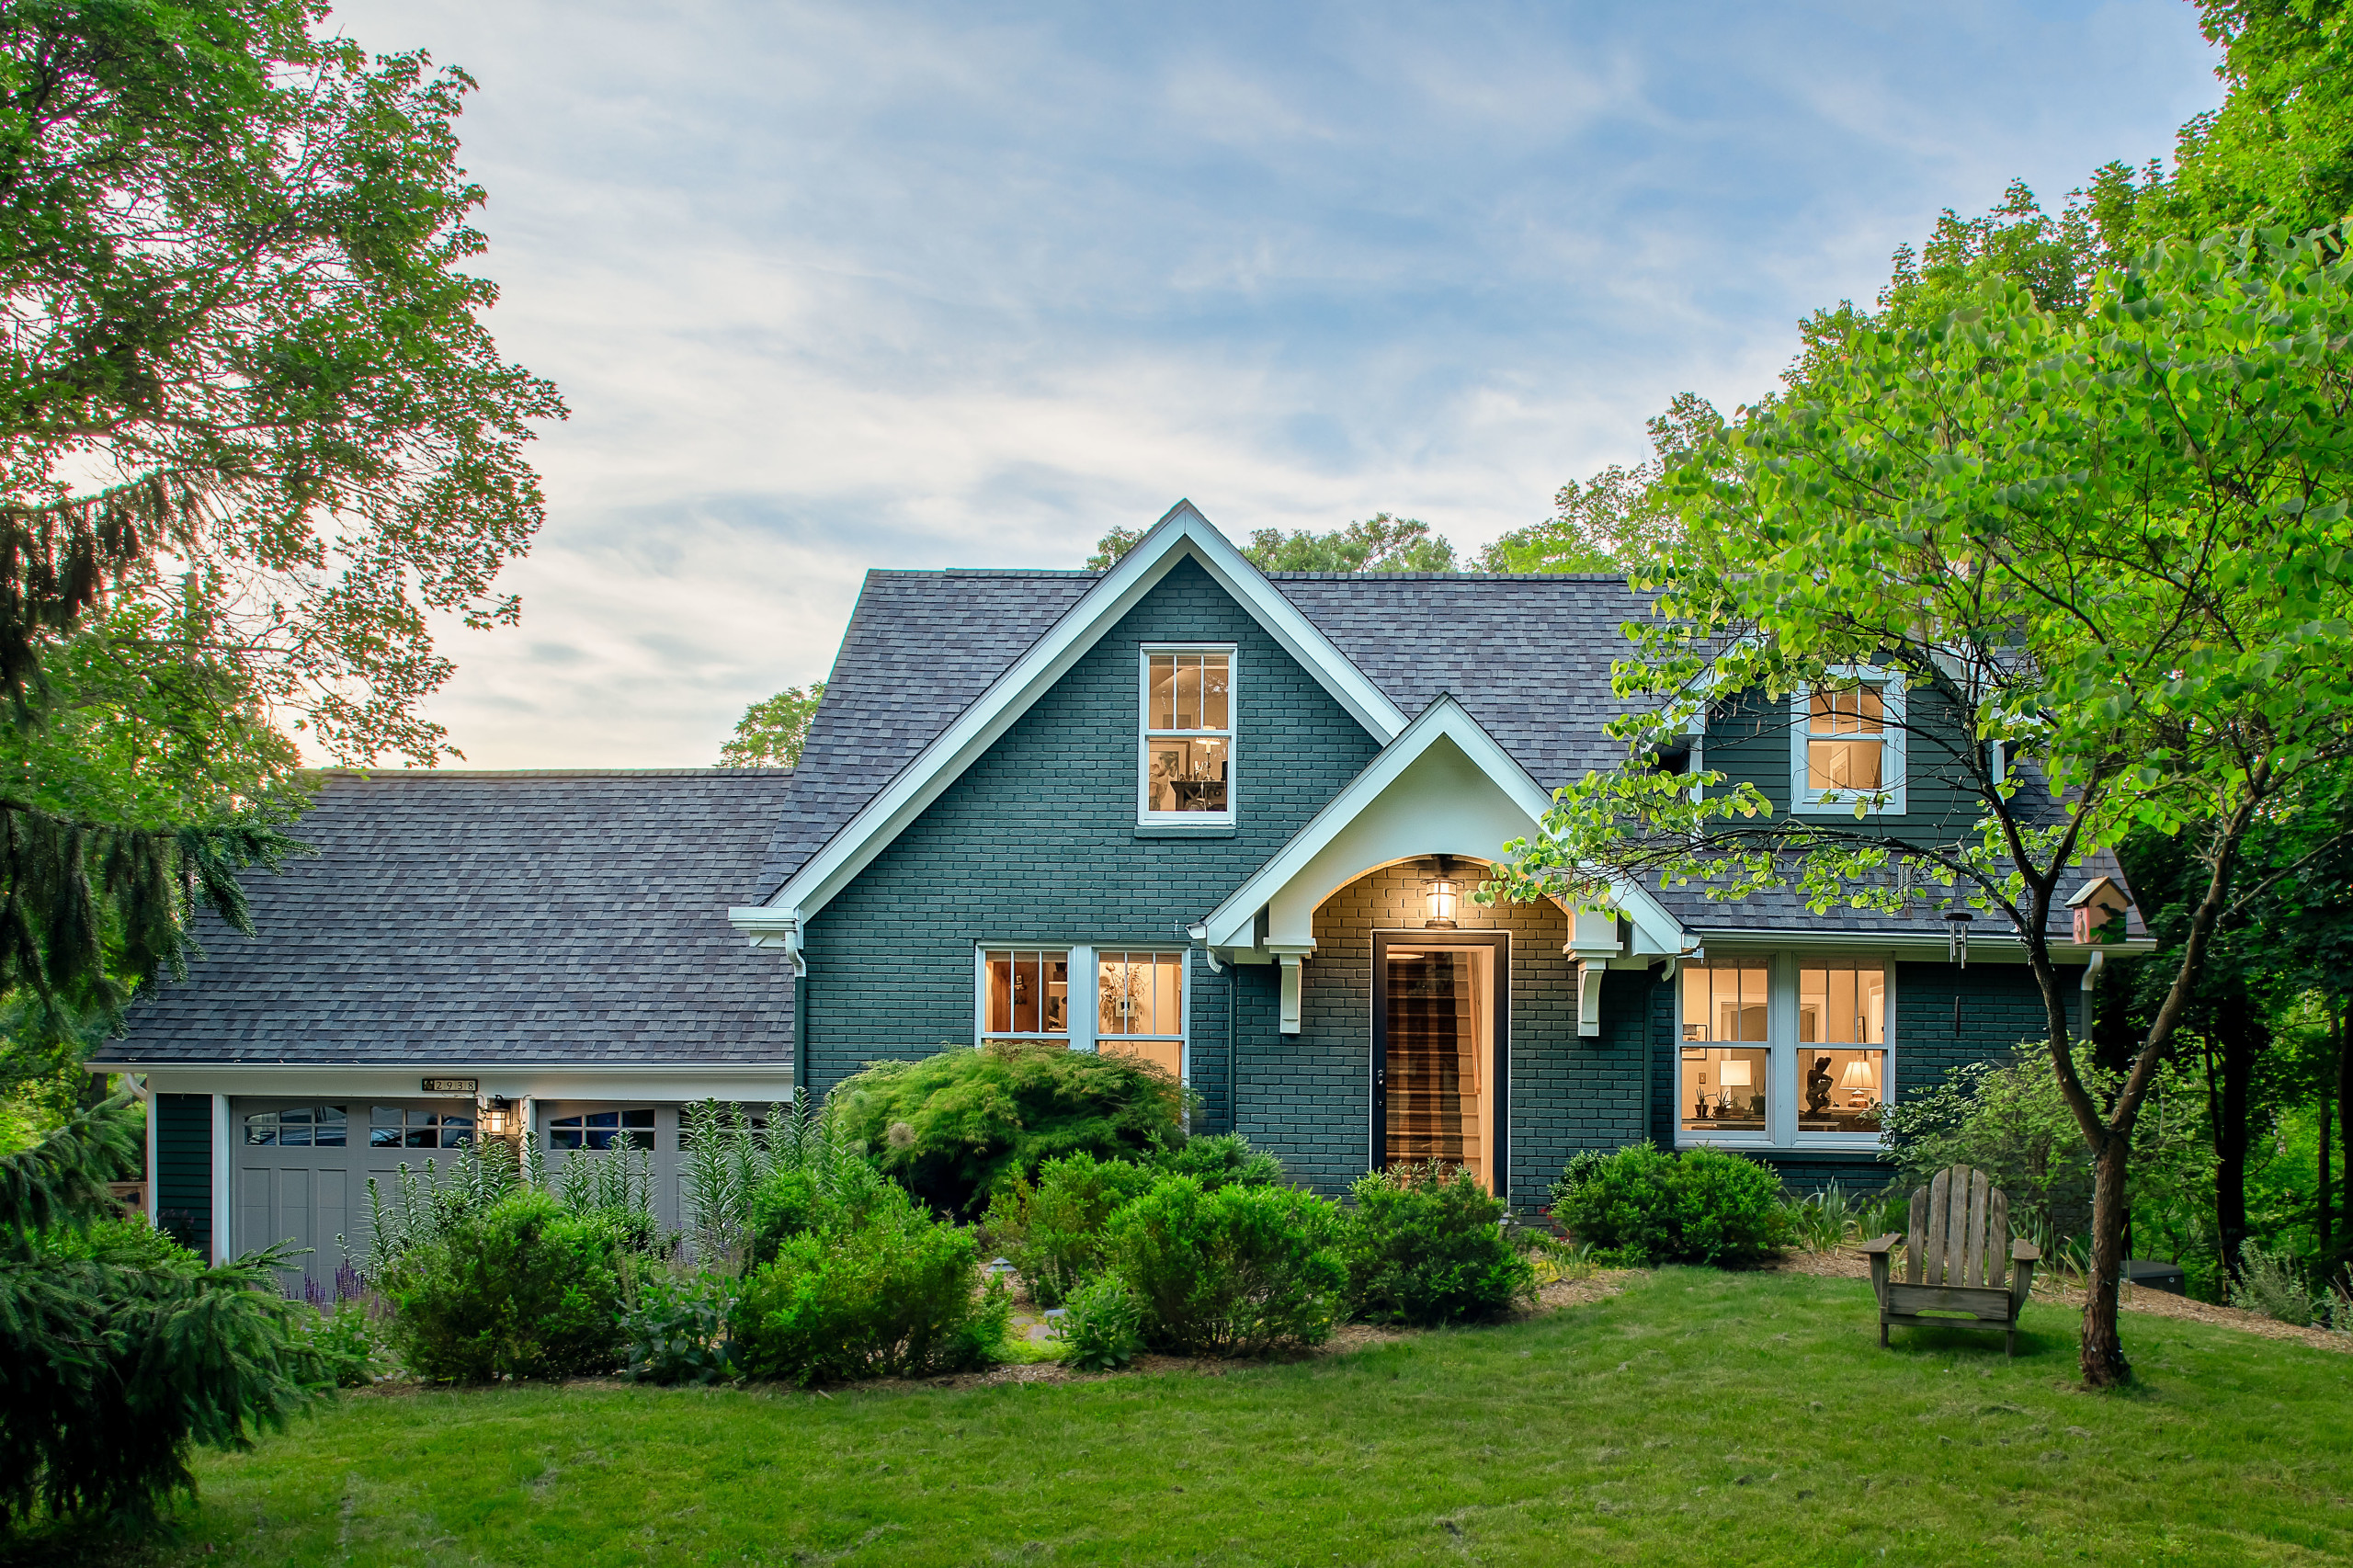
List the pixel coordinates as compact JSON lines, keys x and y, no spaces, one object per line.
{"x":830,"y":288}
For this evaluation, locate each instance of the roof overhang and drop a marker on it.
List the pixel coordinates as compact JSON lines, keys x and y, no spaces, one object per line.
{"x":1443,"y":786}
{"x":1182,"y":535}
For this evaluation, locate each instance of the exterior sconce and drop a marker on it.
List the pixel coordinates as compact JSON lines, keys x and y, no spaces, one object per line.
{"x":498,"y":1117}
{"x":1957,"y":937}
{"x":1440,"y":896}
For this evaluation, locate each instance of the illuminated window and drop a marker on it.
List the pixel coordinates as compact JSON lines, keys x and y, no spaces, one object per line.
{"x":1743,"y":1079}
{"x":1140,"y":1006}
{"x":1726,"y":1063}
{"x":1849,"y":743}
{"x":1024,"y":994}
{"x":1187,"y":733}
{"x":1841,"y":1016}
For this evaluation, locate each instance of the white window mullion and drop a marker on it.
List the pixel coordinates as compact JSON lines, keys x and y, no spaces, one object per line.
{"x":1085,"y":989}
{"x":1781,"y":1029}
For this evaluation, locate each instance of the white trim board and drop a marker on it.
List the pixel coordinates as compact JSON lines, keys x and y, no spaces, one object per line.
{"x":1182,"y":535}
{"x":1365,"y":826}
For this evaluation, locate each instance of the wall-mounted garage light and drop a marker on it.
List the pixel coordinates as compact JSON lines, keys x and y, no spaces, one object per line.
{"x":498,"y":1117}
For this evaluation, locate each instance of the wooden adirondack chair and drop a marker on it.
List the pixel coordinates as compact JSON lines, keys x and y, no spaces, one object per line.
{"x":1954,"y":1260}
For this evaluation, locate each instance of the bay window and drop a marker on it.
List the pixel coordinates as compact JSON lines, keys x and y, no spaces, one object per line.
{"x":1783,"y":1051}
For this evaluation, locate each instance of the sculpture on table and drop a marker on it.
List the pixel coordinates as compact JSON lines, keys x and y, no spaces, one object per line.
{"x":1817,"y":1087}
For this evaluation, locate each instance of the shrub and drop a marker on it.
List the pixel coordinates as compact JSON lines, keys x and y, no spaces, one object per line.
{"x":1576,"y":1173}
{"x":893,"y":1296}
{"x":1103,"y":1324}
{"x":952,"y":1128}
{"x":1235,"y":1271}
{"x":2273,"y":1283}
{"x":1225,"y":1160}
{"x":1054,"y":1231}
{"x":1708,"y":1206}
{"x":348,"y":1341}
{"x":676,"y":1328}
{"x":1425,"y":1245}
{"x":524,"y":1288}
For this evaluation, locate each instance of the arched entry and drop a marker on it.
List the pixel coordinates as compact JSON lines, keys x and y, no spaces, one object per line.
{"x":1441,"y":1049}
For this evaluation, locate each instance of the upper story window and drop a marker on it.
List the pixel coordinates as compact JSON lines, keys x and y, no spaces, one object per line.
{"x":1024,"y":994}
{"x":1187,"y":750}
{"x":1784,"y":1050}
{"x":1849,"y":745}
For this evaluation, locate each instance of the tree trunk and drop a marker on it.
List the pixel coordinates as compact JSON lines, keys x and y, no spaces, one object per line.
{"x":2104,"y":1365}
{"x":2241,"y":1036}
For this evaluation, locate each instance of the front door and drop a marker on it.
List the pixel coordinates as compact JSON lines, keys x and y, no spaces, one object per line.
{"x":1441,"y":1050}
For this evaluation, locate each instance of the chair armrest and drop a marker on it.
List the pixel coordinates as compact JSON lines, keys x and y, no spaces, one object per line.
{"x":2025,"y":1251}
{"x":1879,"y":1249}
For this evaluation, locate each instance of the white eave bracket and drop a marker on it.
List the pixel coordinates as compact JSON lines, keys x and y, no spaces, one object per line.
{"x":774,"y":929}
{"x":1293,"y":958}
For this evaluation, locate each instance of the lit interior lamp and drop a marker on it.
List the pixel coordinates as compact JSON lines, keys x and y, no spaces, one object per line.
{"x":1441,"y":894}
{"x":498,"y":1117}
{"x":1735,"y":1072}
{"x":1858,"y":1074}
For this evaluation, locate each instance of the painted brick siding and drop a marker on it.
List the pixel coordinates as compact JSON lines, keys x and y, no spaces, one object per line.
{"x":184,"y":1167}
{"x":1308,"y":1096}
{"x":1038,"y":843}
{"x":2000,"y":1007}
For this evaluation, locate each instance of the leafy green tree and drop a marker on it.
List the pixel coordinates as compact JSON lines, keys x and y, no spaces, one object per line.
{"x":771,"y":733}
{"x":2105,"y":561}
{"x":253,"y":435}
{"x":121,"y":1357}
{"x":1379,"y":543}
{"x":1617,"y":518}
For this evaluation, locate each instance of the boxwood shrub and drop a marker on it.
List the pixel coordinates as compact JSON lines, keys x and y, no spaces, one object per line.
{"x":1426,"y":1246}
{"x":1642,"y":1206}
{"x":1236,"y":1271}
{"x":525,"y":1288}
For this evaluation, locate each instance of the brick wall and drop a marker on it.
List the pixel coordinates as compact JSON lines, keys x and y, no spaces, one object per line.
{"x":1038,"y":843}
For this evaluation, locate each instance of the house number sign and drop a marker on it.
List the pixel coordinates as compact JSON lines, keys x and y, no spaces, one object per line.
{"x":453,"y":1086}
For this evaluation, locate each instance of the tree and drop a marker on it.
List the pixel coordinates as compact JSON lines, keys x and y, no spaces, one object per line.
{"x":2105,"y":561}
{"x":1616,"y":519}
{"x":770,"y":734}
{"x":120,"y":1354}
{"x":253,"y":435}
{"x":1379,"y":543}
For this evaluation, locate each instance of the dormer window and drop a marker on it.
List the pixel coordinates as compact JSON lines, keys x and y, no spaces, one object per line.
{"x":1848,"y":745}
{"x":1187,"y":735}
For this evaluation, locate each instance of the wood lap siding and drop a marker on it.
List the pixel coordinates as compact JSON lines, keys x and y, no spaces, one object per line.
{"x":184,"y":1167}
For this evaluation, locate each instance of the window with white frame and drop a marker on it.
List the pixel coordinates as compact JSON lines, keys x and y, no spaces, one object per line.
{"x":1140,"y":1006}
{"x":603,"y":1129}
{"x":1847,"y":745}
{"x":1186,"y":767}
{"x":1024,"y":994}
{"x":1784,"y":1050}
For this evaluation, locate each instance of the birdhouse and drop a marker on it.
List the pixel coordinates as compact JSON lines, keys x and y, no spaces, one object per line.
{"x":2099,"y":905}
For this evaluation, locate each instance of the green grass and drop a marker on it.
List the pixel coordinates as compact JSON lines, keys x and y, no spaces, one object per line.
{"x":1699,"y":1418}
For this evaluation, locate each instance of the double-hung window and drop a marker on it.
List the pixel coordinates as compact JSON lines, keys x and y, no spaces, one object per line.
{"x":1847,"y":745}
{"x":1186,"y":751}
{"x":1784,"y":1050}
{"x":1026,"y":993}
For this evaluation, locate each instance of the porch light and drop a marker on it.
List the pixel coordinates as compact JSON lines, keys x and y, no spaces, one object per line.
{"x":1957,"y":935}
{"x":1441,"y":894}
{"x":498,"y":1117}
{"x":1858,"y":1074}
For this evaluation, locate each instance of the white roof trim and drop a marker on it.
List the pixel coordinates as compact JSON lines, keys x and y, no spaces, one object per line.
{"x":1182,"y":535}
{"x":1230,"y":925}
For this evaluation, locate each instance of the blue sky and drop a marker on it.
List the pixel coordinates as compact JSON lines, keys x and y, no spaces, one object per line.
{"x":836,"y":287}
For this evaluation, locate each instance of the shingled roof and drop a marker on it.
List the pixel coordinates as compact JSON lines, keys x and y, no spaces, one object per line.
{"x":454,"y":917}
{"x":1527,"y":655}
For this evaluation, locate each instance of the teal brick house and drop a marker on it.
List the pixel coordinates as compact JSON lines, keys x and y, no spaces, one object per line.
{"x":1221,"y":819}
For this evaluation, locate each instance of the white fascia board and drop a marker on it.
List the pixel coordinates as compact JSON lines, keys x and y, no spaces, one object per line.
{"x":754,"y":1083}
{"x":1230,"y":925}
{"x":1985,"y":947}
{"x":1183,"y":534}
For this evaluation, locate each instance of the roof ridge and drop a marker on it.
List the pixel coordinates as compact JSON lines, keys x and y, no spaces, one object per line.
{"x":473,"y":774}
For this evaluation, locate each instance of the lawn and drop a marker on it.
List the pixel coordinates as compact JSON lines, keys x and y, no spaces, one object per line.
{"x":1698,"y":1417}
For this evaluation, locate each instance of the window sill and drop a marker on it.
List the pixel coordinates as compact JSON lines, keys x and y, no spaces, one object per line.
{"x":1893,"y":808}
{"x":1183,"y":830}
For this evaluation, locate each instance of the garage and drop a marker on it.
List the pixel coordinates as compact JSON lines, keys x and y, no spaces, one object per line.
{"x":298,"y":1168}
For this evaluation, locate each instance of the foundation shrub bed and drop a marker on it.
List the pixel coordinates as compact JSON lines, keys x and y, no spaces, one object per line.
{"x":525,"y":1288}
{"x":1053,"y":1230}
{"x":1230,"y":1272}
{"x":894,"y":1296}
{"x":1102,"y":1325}
{"x":1642,"y":1206}
{"x":1425,"y":1245}
{"x":676,"y":1328}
